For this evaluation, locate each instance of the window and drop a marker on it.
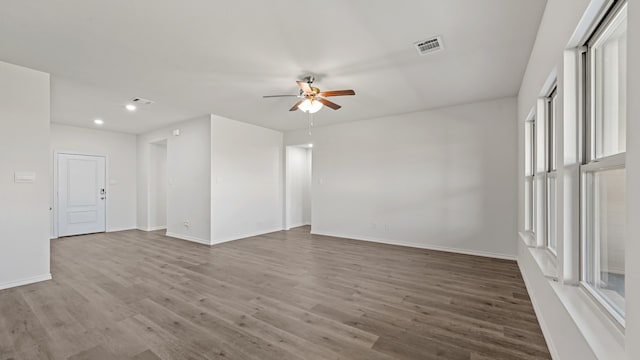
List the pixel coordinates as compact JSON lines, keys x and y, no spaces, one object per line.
{"x":529,"y":173}
{"x":603,"y":170}
{"x":551,"y":176}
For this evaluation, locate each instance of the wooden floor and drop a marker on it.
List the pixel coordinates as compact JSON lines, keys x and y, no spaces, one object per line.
{"x":285,"y":295}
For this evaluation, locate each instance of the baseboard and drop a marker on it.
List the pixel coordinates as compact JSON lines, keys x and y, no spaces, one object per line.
{"x":189,"y":238}
{"x":423,"y":246}
{"x":244,"y":236}
{"x":292,"y":226}
{"x":53,"y":237}
{"x":27,"y":281}
{"x":156,"y":228}
{"x":121,"y":229}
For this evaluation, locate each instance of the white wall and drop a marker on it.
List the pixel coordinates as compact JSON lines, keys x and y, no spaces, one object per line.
{"x":188,"y":175}
{"x":298,"y":186}
{"x":24,"y":147}
{"x":633,"y":190}
{"x":443,"y":179}
{"x":158,"y":184}
{"x":247,"y":165}
{"x":120,"y":150}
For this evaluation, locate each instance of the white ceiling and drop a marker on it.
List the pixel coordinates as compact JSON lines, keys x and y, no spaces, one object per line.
{"x":202,"y":56}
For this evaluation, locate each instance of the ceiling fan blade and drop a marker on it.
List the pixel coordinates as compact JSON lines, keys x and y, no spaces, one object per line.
{"x":275,"y":96}
{"x":337,"y":93}
{"x":328,"y":103}
{"x":305,"y":87}
{"x":295,"y":107}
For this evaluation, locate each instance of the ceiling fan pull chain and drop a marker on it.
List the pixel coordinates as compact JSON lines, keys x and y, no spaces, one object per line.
{"x":310,"y":122}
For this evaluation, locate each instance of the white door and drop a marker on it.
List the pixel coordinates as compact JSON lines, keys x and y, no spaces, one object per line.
{"x":81,"y":194}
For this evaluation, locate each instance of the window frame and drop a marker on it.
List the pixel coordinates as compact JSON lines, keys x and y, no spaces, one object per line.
{"x":530,"y":177}
{"x":590,"y":163}
{"x":550,"y":103}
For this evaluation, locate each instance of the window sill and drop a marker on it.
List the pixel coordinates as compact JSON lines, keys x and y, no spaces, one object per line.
{"x":543,"y":257}
{"x":605,"y":337}
{"x":528,"y":238}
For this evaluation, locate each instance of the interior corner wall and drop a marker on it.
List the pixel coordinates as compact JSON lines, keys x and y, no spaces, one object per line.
{"x":120,"y":149}
{"x":247,"y":188}
{"x":24,"y":147}
{"x":188,"y":176}
{"x":442,"y":179}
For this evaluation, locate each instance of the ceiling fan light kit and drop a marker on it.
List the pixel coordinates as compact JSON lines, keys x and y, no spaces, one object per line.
{"x":311,"y":106}
{"x":312,"y":99}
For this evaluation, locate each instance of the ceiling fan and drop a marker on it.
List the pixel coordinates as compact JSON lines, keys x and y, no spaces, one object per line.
{"x":311,"y":98}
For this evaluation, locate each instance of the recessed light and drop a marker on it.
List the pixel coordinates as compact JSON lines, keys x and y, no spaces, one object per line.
{"x":98,"y":121}
{"x":131,"y":107}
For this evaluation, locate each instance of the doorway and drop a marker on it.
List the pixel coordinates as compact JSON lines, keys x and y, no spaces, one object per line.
{"x":298,"y":185}
{"x":81,"y":194}
{"x":158,"y":182}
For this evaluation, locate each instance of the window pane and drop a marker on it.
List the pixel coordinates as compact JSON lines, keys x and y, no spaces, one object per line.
{"x":606,"y":236}
{"x":551,"y":214}
{"x":528,"y":148}
{"x":610,"y":70}
{"x":552,"y":113}
{"x":528,"y":204}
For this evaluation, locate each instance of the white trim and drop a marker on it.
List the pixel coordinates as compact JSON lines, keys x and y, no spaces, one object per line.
{"x":549,"y":84}
{"x":528,"y":238}
{"x":189,"y":238}
{"x":244,"y":236}
{"x":27,"y":281}
{"x":531,"y":117}
{"x":148,"y":229}
{"x":423,"y":246}
{"x":155,"y":228}
{"x":604,"y":302}
{"x":603,"y":334}
{"x":595,"y":11}
{"x":293,"y":226}
{"x":121,"y":229}
{"x":605,"y":163}
{"x":545,"y":260}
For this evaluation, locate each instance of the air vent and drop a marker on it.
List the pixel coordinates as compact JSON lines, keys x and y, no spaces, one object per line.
{"x":141,"y":101}
{"x":430,"y":45}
